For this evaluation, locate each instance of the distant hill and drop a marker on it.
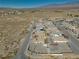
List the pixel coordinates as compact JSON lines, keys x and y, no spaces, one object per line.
{"x":64,"y":6}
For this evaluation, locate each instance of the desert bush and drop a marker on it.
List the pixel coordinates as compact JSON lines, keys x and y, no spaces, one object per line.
{"x":76,"y":15}
{"x":70,"y":15}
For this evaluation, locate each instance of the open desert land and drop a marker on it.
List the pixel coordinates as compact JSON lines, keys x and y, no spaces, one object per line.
{"x":14,"y":24}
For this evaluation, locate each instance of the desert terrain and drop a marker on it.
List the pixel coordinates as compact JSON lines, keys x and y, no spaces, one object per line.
{"x":14,"y":24}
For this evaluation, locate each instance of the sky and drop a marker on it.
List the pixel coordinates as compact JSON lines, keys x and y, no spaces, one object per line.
{"x":31,"y":3}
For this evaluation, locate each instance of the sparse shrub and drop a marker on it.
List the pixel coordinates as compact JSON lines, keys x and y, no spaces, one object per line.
{"x":76,"y":15}
{"x":70,"y":15}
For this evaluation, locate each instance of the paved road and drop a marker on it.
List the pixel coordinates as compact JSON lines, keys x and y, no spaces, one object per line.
{"x":24,"y":47}
{"x":73,"y":42}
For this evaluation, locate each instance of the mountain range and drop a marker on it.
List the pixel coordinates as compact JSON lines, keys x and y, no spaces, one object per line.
{"x":73,"y":4}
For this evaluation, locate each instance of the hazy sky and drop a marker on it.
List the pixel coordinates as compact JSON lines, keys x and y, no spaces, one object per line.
{"x":31,"y":3}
